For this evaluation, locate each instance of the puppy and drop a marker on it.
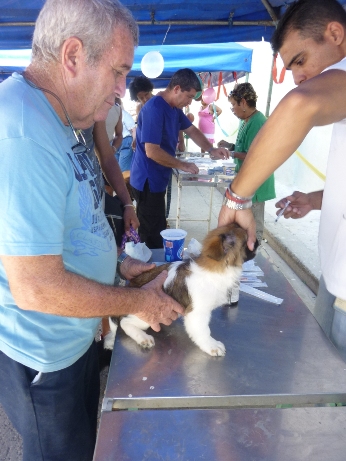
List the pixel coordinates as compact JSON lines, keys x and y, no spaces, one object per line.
{"x":200,"y":285}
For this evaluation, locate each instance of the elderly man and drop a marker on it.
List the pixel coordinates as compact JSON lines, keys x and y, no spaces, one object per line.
{"x":58,"y":254}
{"x":311,"y":39}
{"x":159,"y":123}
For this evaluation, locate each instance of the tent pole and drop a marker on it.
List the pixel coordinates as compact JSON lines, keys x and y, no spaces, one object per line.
{"x":270,"y":10}
{"x":167,"y":23}
{"x":274,"y":17}
{"x":270,"y":89}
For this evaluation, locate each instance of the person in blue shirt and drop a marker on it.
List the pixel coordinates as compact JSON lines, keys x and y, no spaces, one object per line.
{"x":58,"y":255}
{"x":158,"y":126}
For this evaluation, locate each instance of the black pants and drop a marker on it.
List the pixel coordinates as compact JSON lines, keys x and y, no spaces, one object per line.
{"x":151,"y":212}
{"x":57,"y":415}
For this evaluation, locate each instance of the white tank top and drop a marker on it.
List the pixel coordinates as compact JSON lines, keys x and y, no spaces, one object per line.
{"x":112,"y":120}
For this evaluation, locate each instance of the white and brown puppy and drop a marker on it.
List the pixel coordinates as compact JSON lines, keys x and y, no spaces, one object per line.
{"x":200,"y":285}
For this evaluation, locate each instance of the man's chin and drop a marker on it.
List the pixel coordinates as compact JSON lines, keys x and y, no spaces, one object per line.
{"x":101,"y":115}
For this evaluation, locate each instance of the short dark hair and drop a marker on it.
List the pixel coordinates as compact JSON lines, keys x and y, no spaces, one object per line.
{"x":139,"y":84}
{"x":244,"y":91}
{"x":186,"y":79}
{"x":310,"y":18}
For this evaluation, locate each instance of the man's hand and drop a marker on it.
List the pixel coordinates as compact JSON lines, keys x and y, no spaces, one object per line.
{"x":301,"y":204}
{"x":189,"y":167}
{"x":245,"y":220}
{"x":130,"y":219}
{"x":219,"y":153}
{"x":162,"y":308}
{"x":131,"y":267}
{"x":224,"y":143}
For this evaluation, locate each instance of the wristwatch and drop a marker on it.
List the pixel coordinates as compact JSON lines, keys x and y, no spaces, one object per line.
{"x":235,"y":205}
{"x":120,"y":260}
{"x":235,"y":202}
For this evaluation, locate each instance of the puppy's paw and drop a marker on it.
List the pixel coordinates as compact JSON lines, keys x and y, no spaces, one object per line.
{"x":108,"y":342}
{"x":215,"y":348}
{"x":148,"y":342}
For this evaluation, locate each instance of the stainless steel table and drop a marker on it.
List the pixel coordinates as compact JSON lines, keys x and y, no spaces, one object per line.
{"x":293,"y":434}
{"x":276,"y":355}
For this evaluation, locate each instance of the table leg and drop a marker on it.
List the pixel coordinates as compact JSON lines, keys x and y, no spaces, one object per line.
{"x":210,"y":206}
{"x":177,"y":223}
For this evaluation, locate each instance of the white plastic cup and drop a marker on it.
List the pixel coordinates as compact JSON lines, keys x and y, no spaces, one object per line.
{"x":173,"y":244}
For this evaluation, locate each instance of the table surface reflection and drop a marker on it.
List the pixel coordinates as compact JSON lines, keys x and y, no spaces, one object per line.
{"x":271,"y":351}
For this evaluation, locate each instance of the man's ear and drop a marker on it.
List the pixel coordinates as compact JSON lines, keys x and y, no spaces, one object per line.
{"x":176,"y":89}
{"x":72,"y":54}
{"x":335,"y":32}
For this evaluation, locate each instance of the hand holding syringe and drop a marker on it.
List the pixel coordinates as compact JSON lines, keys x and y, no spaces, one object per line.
{"x":283,"y":210}
{"x":299,"y":204}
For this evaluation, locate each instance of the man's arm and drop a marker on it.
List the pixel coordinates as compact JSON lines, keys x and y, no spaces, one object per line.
{"x":198,"y":138}
{"x":118,"y":133}
{"x":181,"y":142}
{"x":316,"y":102}
{"x":111,"y":170}
{"x":42,"y":284}
{"x":154,"y":152}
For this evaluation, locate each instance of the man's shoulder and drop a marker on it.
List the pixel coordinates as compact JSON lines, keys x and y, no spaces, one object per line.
{"x":155,"y":101}
{"x":22,"y":108}
{"x":12,"y":89}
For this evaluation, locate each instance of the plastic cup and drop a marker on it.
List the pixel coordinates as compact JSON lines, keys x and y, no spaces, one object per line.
{"x":173,"y":244}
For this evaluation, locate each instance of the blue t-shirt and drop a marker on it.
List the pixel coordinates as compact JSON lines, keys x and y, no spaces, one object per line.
{"x":158,"y":123}
{"x":51,"y":204}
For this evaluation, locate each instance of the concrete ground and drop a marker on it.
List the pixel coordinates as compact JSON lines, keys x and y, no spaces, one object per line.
{"x":292,"y":244}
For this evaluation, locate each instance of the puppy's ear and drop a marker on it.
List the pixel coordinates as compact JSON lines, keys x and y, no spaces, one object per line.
{"x":220,"y":245}
{"x":251,"y":254}
{"x":228,"y":241}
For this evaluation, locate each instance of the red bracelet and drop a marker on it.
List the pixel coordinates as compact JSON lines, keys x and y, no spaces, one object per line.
{"x":234,"y":198}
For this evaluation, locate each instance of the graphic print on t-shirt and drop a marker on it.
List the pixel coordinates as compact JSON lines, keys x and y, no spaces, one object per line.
{"x":95,"y":235}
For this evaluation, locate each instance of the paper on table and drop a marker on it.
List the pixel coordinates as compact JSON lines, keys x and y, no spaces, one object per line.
{"x":259,"y":294}
{"x":249,"y":266}
{"x":252,"y":274}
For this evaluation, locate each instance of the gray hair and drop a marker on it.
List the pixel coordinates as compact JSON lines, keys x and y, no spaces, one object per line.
{"x":92,"y":21}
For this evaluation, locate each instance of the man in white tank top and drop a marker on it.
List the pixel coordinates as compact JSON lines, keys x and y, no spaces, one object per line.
{"x":311,"y":40}
{"x":114,"y":125}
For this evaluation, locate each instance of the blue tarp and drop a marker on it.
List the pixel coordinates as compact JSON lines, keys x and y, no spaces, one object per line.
{"x":230,"y":12}
{"x":225,"y":57}
{"x":202,"y":58}
{"x":232,"y":17}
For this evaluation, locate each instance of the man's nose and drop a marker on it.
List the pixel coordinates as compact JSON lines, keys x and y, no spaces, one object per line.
{"x":121,"y":87}
{"x":298,"y":78}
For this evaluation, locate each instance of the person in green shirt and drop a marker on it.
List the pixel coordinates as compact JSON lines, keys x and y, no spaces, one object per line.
{"x":243,"y":104}
{"x":243,"y":101}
